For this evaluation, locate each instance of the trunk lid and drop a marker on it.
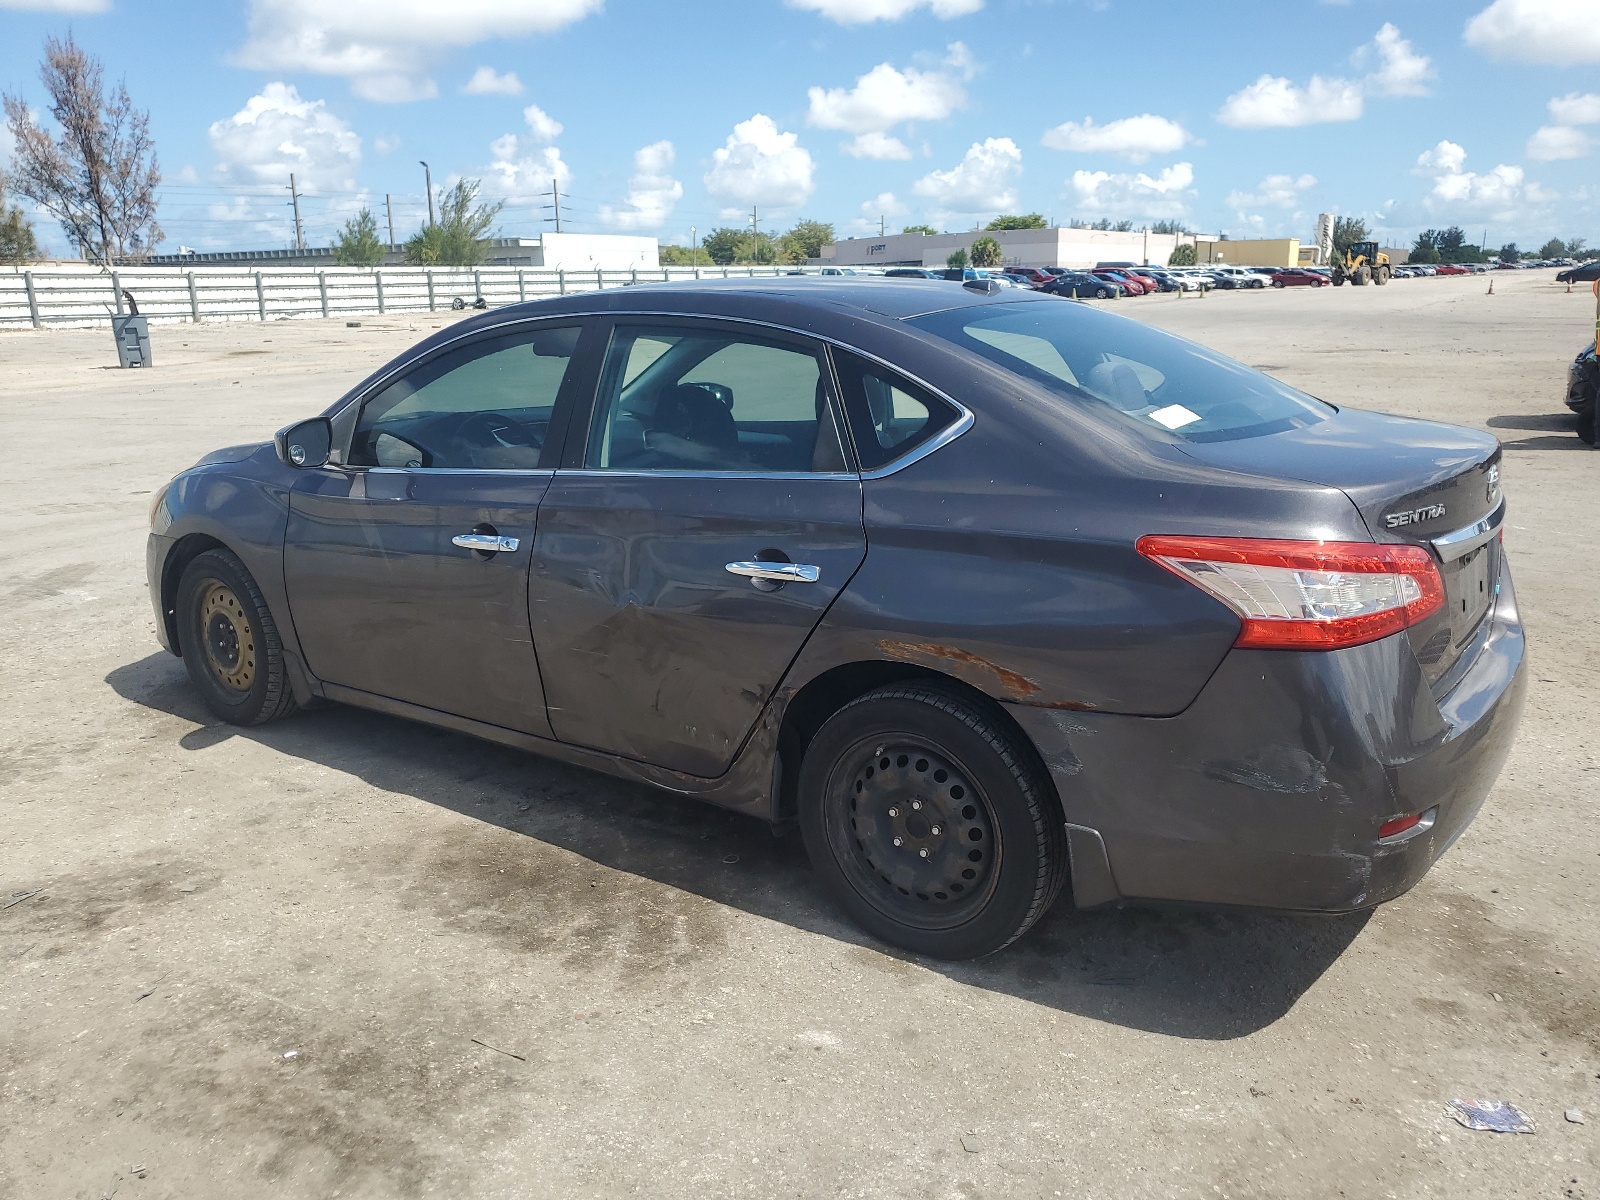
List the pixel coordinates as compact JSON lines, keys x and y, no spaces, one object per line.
{"x":1412,"y":481}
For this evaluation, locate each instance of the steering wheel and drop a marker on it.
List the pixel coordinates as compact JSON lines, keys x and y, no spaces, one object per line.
{"x":481,"y":430}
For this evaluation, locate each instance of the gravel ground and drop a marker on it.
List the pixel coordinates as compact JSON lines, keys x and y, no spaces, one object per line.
{"x":349,"y":956}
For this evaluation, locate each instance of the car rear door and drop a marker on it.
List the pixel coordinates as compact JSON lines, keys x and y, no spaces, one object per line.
{"x":407,"y":566}
{"x":704,"y":518}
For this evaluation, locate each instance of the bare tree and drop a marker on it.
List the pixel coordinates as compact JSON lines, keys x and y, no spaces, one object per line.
{"x":98,"y":176}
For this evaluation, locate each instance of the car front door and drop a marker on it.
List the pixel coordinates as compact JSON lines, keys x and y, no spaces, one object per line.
{"x":702,"y":522}
{"x":407,"y":565}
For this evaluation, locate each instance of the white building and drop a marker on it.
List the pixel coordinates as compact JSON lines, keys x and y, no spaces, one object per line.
{"x":577,"y":252}
{"x":1053,"y":247}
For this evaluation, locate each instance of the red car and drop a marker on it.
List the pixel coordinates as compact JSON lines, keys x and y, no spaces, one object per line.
{"x":1295,"y":277}
{"x":1126,"y":282}
{"x":1034,"y":275}
{"x":1452,"y":269}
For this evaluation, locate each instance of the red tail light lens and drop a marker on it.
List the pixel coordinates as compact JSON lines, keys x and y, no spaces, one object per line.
{"x":1399,"y":825}
{"x":1306,"y":595}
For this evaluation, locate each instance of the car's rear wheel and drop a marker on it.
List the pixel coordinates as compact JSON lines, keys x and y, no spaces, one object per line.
{"x":929,"y":823}
{"x":1103,"y":294}
{"x":1277,"y":283}
{"x":230,"y":642}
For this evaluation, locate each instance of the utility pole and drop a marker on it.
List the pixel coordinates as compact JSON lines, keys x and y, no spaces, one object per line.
{"x":694,"y":246}
{"x":427,"y":174}
{"x":388,"y":201}
{"x":882,"y":228}
{"x":555,"y":203}
{"x":755,"y":236}
{"x":294,"y":198}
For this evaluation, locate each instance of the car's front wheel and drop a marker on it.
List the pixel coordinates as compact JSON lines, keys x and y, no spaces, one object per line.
{"x":230,"y":642}
{"x":930,"y":823}
{"x":1103,"y":294}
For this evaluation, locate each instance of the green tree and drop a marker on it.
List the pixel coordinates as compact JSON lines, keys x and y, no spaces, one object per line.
{"x":1509,"y":253}
{"x":17,"y":242}
{"x":457,"y":239}
{"x":1024,"y":221}
{"x":1554,"y":248}
{"x":358,"y":244}
{"x":805,"y":241}
{"x":1123,"y":227}
{"x":1453,"y":246}
{"x":1168,"y":227}
{"x":957,"y":260}
{"x":986,"y":252}
{"x":1575,"y":247}
{"x":1182,"y":255}
{"x":1348,"y":230}
{"x":926,"y":229}
{"x":722,"y":244}
{"x":684,"y":256}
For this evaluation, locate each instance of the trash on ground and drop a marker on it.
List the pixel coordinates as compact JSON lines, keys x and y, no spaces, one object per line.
{"x":497,"y":1050}
{"x":1574,"y":1116}
{"x":291,"y":1054}
{"x":17,"y":898}
{"x":1493,"y":1116}
{"x":970,"y":1145}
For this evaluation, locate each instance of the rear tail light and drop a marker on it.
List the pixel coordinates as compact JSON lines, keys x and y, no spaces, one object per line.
{"x":1306,"y":595}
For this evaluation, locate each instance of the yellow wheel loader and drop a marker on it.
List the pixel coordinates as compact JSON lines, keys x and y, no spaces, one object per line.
{"x":1363,"y":263}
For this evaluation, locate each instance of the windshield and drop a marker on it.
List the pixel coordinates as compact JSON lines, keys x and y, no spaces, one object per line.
{"x":1158,"y":381}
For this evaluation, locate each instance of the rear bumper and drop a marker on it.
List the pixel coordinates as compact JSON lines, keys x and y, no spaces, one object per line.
{"x":1269,"y":789}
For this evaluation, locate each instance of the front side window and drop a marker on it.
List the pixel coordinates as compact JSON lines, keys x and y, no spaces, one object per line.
{"x":485,"y":406}
{"x":1159,"y":382}
{"x":680,"y":399}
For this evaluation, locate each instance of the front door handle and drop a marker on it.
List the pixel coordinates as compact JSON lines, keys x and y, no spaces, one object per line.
{"x":489,"y":543}
{"x":776,"y":572}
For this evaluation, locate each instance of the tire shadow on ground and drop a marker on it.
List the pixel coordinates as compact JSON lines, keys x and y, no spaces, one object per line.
{"x":1188,"y":974}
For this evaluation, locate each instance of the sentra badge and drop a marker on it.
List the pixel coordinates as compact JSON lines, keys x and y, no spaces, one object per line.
{"x":1414,"y":516}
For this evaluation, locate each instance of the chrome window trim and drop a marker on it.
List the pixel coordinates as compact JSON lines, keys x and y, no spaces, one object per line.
{"x":1462,"y":542}
{"x":947,"y":435}
{"x":518,"y":471}
{"x":634,"y":473}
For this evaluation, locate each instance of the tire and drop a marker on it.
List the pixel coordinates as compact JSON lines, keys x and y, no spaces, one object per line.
{"x":1277,"y":283}
{"x":1362,"y":277}
{"x":1586,"y":423}
{"x":1381,"y":276}
{"x":982,"y":851}
{"x":230,"y":643}
{"x":1103,"y":294}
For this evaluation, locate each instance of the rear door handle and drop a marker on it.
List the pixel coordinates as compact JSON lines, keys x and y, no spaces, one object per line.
{"x":489,"y":543}
{"x":776,"y":572}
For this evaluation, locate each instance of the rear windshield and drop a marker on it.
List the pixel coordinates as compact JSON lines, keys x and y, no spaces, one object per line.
{"x":1158,"y":381}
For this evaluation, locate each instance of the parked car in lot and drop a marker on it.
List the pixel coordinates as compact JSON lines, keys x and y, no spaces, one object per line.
{"x":1295,"y":277}
{"x":1451,"y":269}
{"x":1130,"y":286}
{"x":1082,"y":284}
{"x":913,"y":273}
{"x":1587,"y":272}
{"x":1037,"y":276}
{"x":1235,"y":278}
{"x":992,"y":595}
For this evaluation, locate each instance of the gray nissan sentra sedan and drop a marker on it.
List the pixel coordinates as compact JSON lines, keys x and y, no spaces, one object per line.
{"x":991,"y":593}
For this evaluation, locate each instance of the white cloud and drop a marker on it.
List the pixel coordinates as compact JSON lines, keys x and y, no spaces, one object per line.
{"x":1273,"y":102}
{"x":1132,"y":138}
{"x":884,"y":204}
{"x":486,"y":81}
{"x":1502,"y":193}
{"x":1551,"y":143}
{"x":652,"y":192}
{"x":881,"y":146}
{"x":543,"y":126}
{"x":386,"y":48}
{"x":520,"y":174}
{"x":277,"y":132}
{"x":886,"y":96}
{"x":386,"y":144}
{"x":983,"y":181}
{"x":1400,"y":71}
{"x":760,"y":165}
{"x":1275,"y":191}
{"x":1554,"y":32}
{"x":859,"y":12}
{"x":1576,"y":108}
{"x":1164,"y":195}
{"x":61,"y":6}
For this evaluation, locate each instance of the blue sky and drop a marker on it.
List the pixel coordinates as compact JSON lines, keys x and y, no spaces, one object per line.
{"x":1241,"y":117}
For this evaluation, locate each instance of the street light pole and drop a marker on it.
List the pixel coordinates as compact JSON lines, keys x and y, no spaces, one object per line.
{"x":427,"y":174}
{"x":694,"y":246}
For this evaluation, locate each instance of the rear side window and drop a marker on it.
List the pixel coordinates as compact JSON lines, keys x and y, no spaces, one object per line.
{"x":1157,"y":381}
{"x":889,"y":415}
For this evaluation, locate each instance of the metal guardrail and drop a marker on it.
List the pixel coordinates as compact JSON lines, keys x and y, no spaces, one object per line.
{"x":86,"y":296}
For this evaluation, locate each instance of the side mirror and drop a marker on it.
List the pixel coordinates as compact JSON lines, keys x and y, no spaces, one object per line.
{"x":307,"y":444}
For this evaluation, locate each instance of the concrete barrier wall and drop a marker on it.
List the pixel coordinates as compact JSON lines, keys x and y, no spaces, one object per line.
{"x":87,"y":296}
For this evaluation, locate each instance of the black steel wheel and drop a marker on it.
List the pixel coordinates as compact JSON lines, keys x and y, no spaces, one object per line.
{"x":929,"y":822}
{"x":230,"y":642}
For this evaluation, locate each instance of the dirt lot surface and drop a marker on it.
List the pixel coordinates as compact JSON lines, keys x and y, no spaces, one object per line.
{"x":349,"y":956}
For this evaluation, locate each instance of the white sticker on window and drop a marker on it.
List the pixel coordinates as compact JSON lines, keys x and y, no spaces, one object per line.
{"x":1174,"y":416}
